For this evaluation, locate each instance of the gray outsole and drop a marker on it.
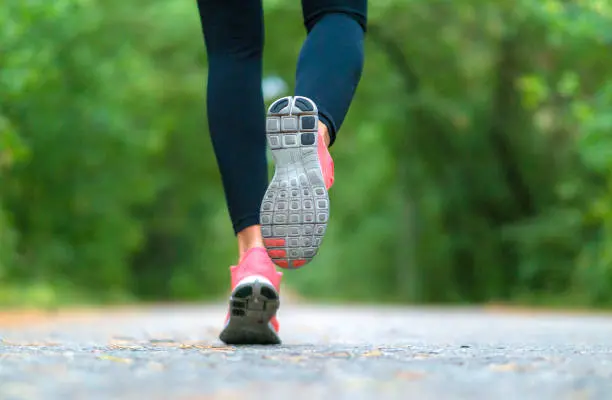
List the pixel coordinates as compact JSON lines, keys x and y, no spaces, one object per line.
{"x":252,"y":306}
{"x":295,"y":208}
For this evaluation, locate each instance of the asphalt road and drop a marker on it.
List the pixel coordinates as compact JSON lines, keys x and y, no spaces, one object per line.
{"x":328,"y":353}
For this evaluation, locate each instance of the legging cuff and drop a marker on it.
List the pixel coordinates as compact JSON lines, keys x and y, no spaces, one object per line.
{"x":245,"y":222}
{"x":329,"y":123}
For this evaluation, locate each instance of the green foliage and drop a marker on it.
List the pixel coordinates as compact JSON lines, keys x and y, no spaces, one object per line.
{"x":496,"y":128}
{"x":114,"y":142}
{"x":475,"y":163}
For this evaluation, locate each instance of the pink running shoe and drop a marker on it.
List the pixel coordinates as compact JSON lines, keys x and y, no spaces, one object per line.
{"x":295,"y":208}
{"x":254,"y":301}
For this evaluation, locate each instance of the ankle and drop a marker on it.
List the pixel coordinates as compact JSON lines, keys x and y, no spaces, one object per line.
{"x":324,"y":132}
{"x":249,"y":238}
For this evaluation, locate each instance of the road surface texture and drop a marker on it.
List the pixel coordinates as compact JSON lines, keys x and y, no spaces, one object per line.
{"x":328,"y":353}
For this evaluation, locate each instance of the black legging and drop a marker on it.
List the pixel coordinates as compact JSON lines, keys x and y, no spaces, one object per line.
{"x":329,"y":68}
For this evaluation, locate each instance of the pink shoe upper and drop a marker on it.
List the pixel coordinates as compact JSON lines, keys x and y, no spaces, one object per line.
{"x":327,"y":163}
{"x":256,"y":261}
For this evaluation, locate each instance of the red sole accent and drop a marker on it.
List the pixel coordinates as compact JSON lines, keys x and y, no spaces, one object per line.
{"x":277,"y":253}
{"x":274,"y":242}
{"x":282,"y":263}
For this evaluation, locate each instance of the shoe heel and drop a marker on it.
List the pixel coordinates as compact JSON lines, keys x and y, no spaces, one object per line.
{"x":253,"y":303}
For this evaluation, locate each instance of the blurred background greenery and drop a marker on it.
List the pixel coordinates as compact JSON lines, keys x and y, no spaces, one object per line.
{"x":474,"y":166}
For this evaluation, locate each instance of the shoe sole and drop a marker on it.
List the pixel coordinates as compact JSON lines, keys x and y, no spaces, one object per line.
{"x":253,"y":303}
{"x":295,"y":208}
